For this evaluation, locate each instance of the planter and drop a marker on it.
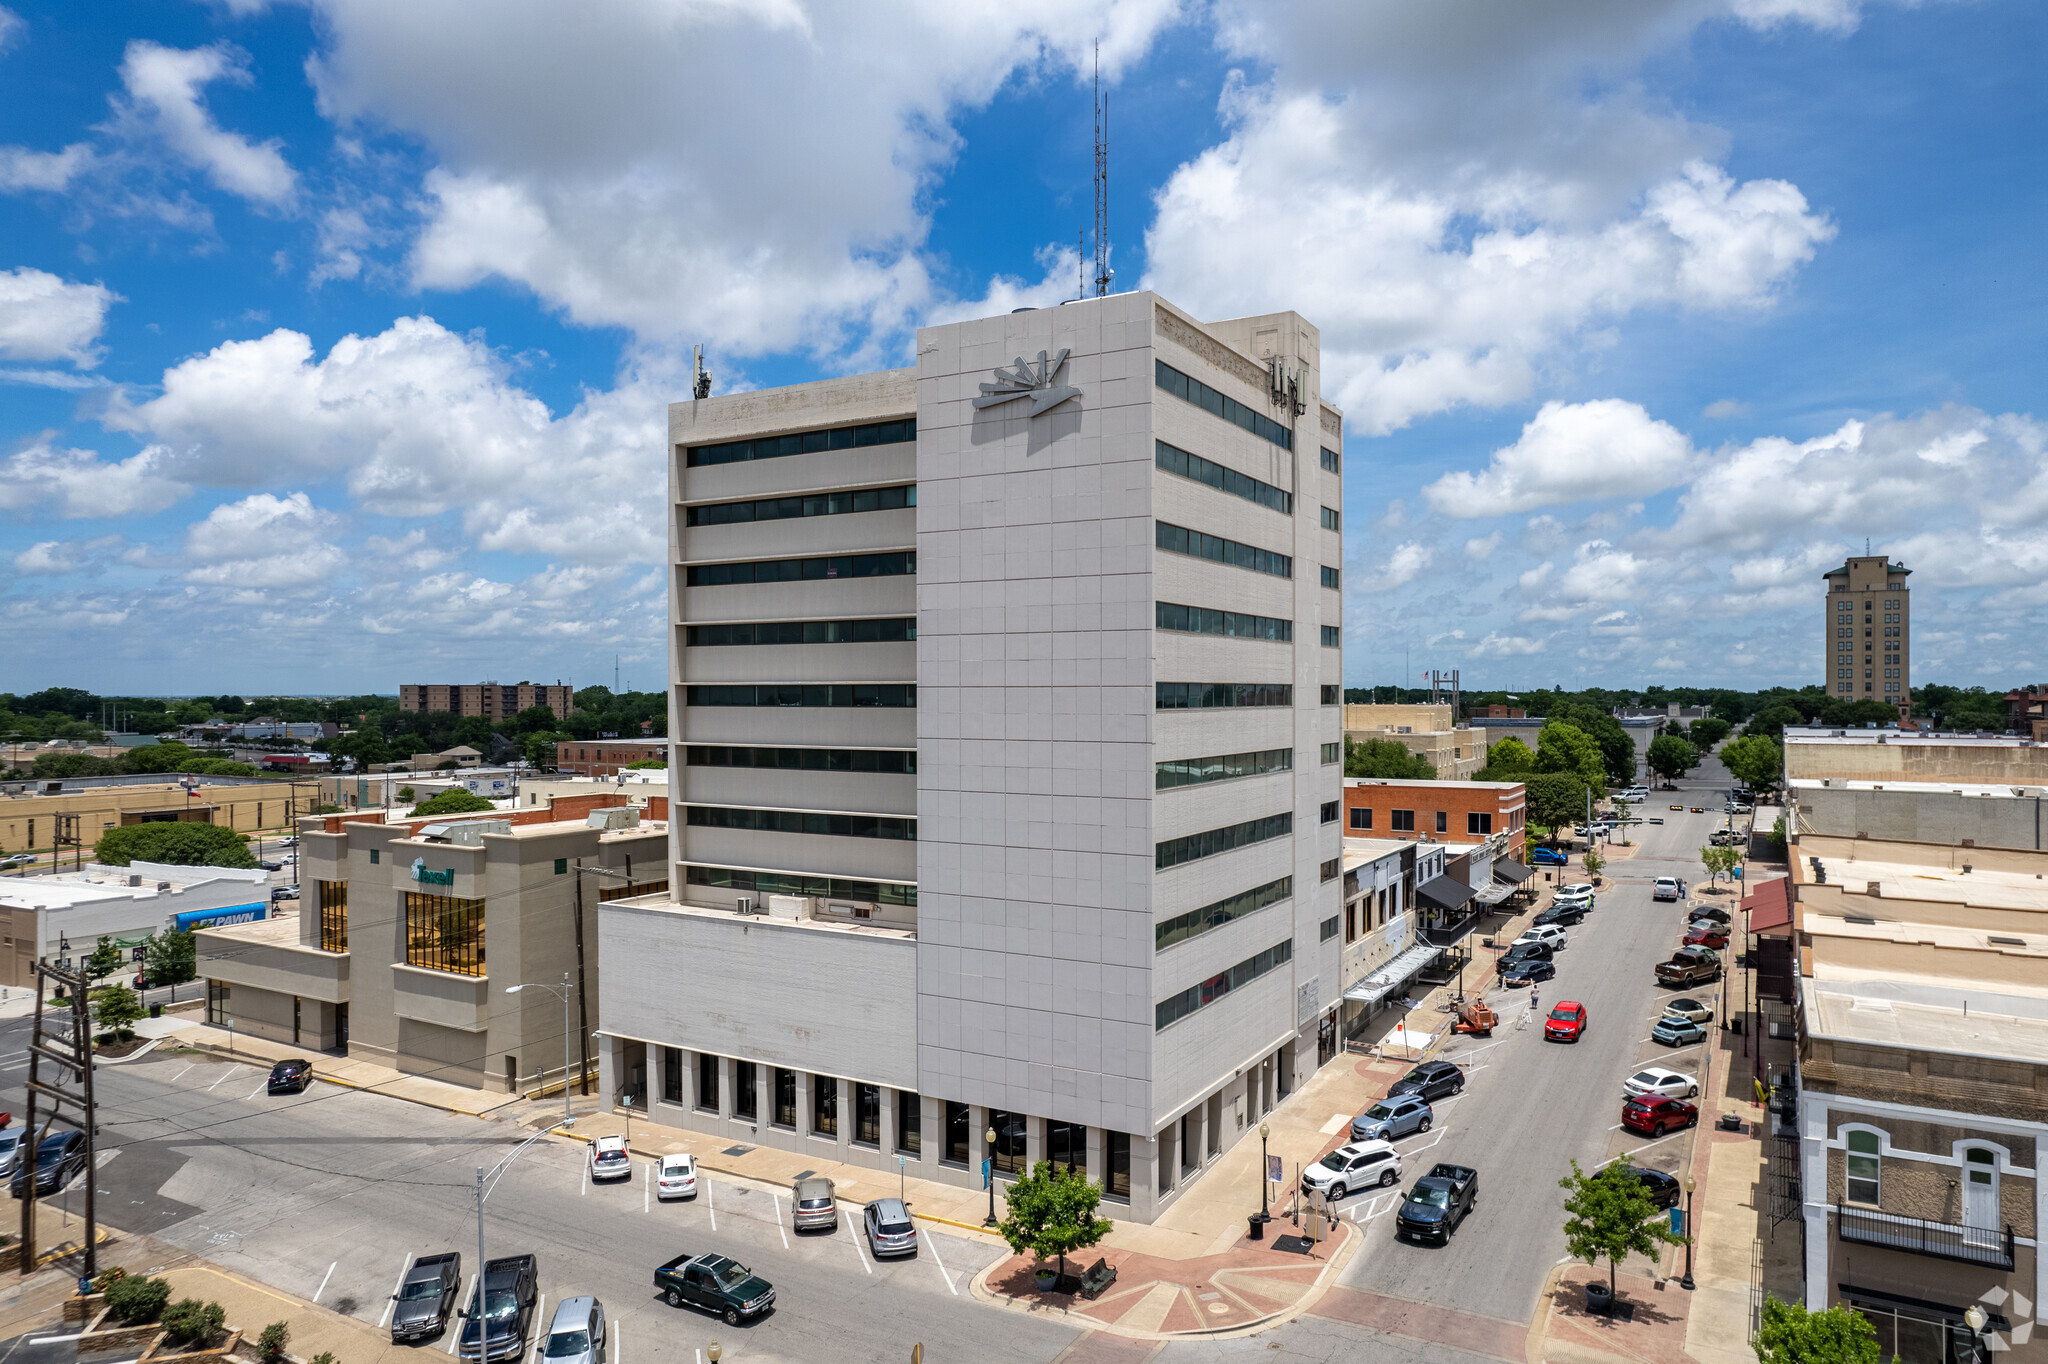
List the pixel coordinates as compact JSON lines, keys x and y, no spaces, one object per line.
{"x":161,"y":1351}
{"x":76,"y":1308}
{"x":1599,"y":1298}
{"x":1044,"y":1278}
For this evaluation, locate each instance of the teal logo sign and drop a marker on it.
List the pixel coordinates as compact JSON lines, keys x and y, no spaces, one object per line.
{"x":431,"y":878}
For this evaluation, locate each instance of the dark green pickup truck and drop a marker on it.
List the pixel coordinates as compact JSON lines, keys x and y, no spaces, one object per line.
{"x":715,"y":1284}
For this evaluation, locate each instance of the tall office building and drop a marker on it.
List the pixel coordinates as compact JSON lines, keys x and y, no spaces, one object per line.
{"x":1005,"y":696}
{"x":1868,"y":632}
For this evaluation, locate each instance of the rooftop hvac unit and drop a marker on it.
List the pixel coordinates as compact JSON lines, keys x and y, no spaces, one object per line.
{"x":789,"y":906}
{"x":850,"y":911}
{"x":744,"y":905}
{"x":618,"y":817}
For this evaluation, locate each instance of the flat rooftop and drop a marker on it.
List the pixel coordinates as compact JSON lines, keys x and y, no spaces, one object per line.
{"x":278,"y":932}
{"x":1359,"y":851}
{"x":1932,"y":881}
{"x":1910,"y":738}
{"x":659,"y":901}
{"x":1503,"y":787}
{"x":1927,"y":1017}
{"x":2003,"y":790}
{"x":65,"y":892}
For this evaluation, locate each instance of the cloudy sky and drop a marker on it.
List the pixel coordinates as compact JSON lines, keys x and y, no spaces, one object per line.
{"x":335,"y":336}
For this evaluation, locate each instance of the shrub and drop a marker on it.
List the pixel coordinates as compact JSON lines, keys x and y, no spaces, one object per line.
{"x":324,"y":1357}
{"x":189,"y":1321}
{"x":134,"y":1299}
{"x":275,"y":1337}
{"x":108,"y":1278}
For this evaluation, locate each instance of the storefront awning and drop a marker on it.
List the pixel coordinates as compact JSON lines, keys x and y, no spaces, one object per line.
{"x":1395,"y":975}
{"x":1493,"y":894}
{"x":1507,"y":869}
{"x":1769,"y":907}
{"x":1444,"y":892}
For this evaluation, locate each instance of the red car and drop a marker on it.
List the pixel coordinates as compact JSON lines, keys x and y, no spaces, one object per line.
{"x":1567,"y":1022}
{"x":1653,"y":1115}
{"x":1707,"y":936}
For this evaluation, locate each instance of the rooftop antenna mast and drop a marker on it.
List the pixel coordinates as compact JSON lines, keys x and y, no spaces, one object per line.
{"x":1103,"y":273}
{"x":700,"y":378}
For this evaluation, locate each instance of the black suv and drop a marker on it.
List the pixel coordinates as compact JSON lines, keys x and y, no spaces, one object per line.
{"x":1432,"y":1080}
{"x":1563,"y":915}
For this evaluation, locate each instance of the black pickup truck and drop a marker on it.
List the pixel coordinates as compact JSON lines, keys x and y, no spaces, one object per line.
{"x":425,"y":1297}
{"x":1437,"y":1205}
{"x":509,"y":1290}
{"x":716,"y":1284}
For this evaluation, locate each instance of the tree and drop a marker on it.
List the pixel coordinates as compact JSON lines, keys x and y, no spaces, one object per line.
{"x":1566,"y":748}
{"x":116,"y":1009}
{"x":1790,"y":1334}
{"x":1611,"y":1216}
{"x":1755,"y":760}
{"x":533,"y":719}
{"x":1386,"y":758}
{"x":540,"y":748}
{"x":1707,"y":731}
{"x":1719,"y":861}
{"x":1510,"y":755}
{"x":1555,"y":799}
{"x":179,"y":844}
{"x":453,"y":801}
{"x":104,"y":961}
{"x":651,"y":764}
{"x":1595,"y":863}
{"x":1671,"y":757}
{"x":1772,"y":721}
{"x":170,"y":958}
{"x":1052,"y":1212}
{"x":1777,"y":835}
{"x":161,"y":756}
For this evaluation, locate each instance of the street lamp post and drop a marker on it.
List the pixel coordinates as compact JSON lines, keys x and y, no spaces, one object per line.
{"x":991,"y":1137}
{"x":1686,"y":1282}
{"x":483,"y":1191}
{"x":567,"y":1033}
{"x":1976,"y":1318}
{"x":1264,"y":1132}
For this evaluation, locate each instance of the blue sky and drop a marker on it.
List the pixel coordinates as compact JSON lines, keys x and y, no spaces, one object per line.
{"x":334,"y":339}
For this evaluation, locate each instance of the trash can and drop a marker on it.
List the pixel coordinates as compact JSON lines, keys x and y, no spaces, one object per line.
{"x":1258,"y":1227}
{"x":156,"y":1011}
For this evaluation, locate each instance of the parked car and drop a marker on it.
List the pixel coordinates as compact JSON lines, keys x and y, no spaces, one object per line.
{"x":1653,"y":1115}
{"x":1567,"y":1022}
{"x":10,"y":1150}
{"x":1438,"y":1204}
{"x":1655,"y":1080}
{"x":889,"y":1228}
{"x":284,"y":892}
{"x":498,"y":1328}
{"x":1550,"y":935}
{"x":1690,"y":966}
{"x":59,"y":1159}
{"x":1570,"y":912}
{"x":1577,"y":890}
{"x":1548,"y":857}
{"x":271,"y":866}
{"x":677,"y":1177}
{"x":1662,"y":1188}
{"x":290,"y":1077}
{"x":1528,"y":970}
{"x":1674,"y":1030}
{"x":716,"y":1284}
{"x":1698,"y":1010}
{"x":1665,"y":888}
{"x":1710,"y":914}
{"x":1394,"y":1116}
{"x":1706,"y":935}
{"x":609,"y":1159}
{"x":1519,"y":954}
{"x":1432,"y":1080}
{"x":1359,"y":1165}
{"x":425,"y":1296}
{"x":576,"y":1335}
{"x":811,"y":1204}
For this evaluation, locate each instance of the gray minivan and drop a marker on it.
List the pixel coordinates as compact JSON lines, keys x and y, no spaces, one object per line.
{"x":576,"y":1335}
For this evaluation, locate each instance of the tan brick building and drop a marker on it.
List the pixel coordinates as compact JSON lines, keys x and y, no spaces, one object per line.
{"x":1866,"y":632}
{"x":1431,"y":732}
{"x":604,"y":757}
{"x":491,"y":700}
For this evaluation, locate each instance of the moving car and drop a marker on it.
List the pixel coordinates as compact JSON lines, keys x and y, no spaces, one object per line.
{"x":428,"y":1290}
{"x":889,"y":1228}
{"x":1567,"y":1022}
{"x":1666,"y":888}
{"x":811,"y":1205}
{"x":1438,"y":1203}
{"x":1528,"y":970}
{"x":290,"y":1077}
{"x":271,"y":866}
{"x":1674,"y":1030}
{"x":1662,"y":1188}
{"x":677,"y":1177}
{"x":1550,"y":935}
{"x":1726,"y":838}
{"x":1653,"y":1116}
{"x":59,"y":1159}
{"x":1699,"y":1011}
{"x":1359,"y":1165}
{"x":716,"y":1284}
{"x":576,"y":1335}
{"x":1432,"y":1080}
{"x":1655,"y":1080}
{"x":609,"y":1159}
{"x":1394,"y":1116}
{"x":1706,"y":935}
{"x":498,"y":1329}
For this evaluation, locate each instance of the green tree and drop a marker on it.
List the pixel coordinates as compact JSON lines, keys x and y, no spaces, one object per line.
{"x":1387,"y":759}
{"x":1052,"y":1212}
{"x":1771,"y":722}
{"x":533,"y":719}
{"x":161,"y":756}
{"x":1510,"y":755}
{"x":1611,"y":1216}
{"x":1566,"y":748}
{"x":1778,"y":839}
{"x":1555,"y":799}
{"x":540,"y":748}
{"x":453,"y":801}
{"x":652,"y":764}
{"x":1790,"y":1334}
{"x":1671,"y":757}
{"x":170,"y":958}
{"x":1719,"y":861}
{"x":274,"y":1338}
{"x":116,"y":1009}
{"x":104,"y":961}
{"x":1707,"y":731}
{"x":180,"y":844}
{"x":1595,"y":863}
{"x":1755,"y":760}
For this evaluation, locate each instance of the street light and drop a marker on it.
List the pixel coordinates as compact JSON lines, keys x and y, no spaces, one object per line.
{"x":483,"y":1192}
{"x":1686,"y":1282}
{"x":1976,"y":1318}
{"x":567,"y":1032}
{"x":990,"y":1135}
{"x":1264,"y":1132}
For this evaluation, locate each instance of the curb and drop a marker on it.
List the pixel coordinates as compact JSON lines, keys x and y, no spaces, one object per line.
{"x":143,"y":1050}
{"x":324,"y":1078}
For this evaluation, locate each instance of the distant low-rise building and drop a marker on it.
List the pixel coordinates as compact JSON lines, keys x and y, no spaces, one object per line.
{"x":60,"y":919}
{"x":1429,"y":732}
{"x":491,"y":700}
{"x":603,"y":757}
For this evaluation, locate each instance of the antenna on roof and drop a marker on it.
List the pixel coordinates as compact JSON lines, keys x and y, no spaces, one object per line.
{"x":1081,"y":262}
{"x":1103,"y":273}
{"x":700,"y":382}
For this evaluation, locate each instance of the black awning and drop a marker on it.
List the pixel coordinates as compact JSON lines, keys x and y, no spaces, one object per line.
{"x":1507,"y":869}
{"x":1444,"y":892}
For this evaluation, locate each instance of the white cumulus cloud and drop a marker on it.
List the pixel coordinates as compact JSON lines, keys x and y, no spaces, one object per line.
{"x":1570,"y":452}
{"x":45,"y":317}
{"x":78,"y":483}
{"x":165,"y":86}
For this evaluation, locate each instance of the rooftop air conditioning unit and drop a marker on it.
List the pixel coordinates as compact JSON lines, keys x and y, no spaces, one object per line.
{"x":850,"y":911}
{"x":744,"y":905}
{"x":789,"y":907}
{"x":617,"y":817}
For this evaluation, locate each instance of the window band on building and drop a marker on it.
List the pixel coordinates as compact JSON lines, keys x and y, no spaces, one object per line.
{"x":1177,"y":772}
{"x":1176,"y":1007}
{"x":1175,"y":460}
{"x":808,"y":504}
{"x":891,"y":760}
{"x":892,"y":564}
{"x":1219,"y":695}
{"x":1168,"y":932}
{"x":444,"y":933}
{"x":884,"y":630}
{"x":804,"y":443}
{"x":1193,"y":847}
{"x":834,"y":824}
{"x":1200,"y":620}
{"x":1200,"y":545}
{"x":1208,"y":399}
{"x":883,"y":695}
{"x":798,"y":883}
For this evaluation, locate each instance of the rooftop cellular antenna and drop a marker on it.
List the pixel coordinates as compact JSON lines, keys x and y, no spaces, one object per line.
{"x":1103,"y":273}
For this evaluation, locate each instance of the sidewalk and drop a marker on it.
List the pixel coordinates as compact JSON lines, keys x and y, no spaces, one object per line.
{"x":192,"y":1031}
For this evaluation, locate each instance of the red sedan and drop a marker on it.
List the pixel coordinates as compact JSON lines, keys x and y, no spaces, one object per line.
{"x":1567,"y":1022}
{"x":1653,"y":1115}
{"x":1707,"y":935}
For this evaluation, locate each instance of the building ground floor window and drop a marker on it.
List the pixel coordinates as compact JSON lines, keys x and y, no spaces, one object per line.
{"x":1066,"y":1145}
{"x":909,"y":1123}
{"x":785,"y":1097}
{"x":218,"y":1009}
{"x":671,"y":1075}
{"x":1009,"y":1150}
{"x":959,"y":1134}
{"x":707,"y":1082}
{"x":1116,"y":1165}
{"x":867,"y":1114}
{"x":746,"y":1102}
{"x":824,"y":1106}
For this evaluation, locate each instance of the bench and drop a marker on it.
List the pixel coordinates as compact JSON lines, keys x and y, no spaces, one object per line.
{"x":1099,"y":1277}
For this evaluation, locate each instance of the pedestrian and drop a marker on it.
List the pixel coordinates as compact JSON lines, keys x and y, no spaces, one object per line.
{"x":1534,"y":1002}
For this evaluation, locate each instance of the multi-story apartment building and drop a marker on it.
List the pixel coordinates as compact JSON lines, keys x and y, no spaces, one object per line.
{"x":1005,"y":711}
{"x":492,"y":700}
{"x":606,"y":757}
{"x":1867,"y":632}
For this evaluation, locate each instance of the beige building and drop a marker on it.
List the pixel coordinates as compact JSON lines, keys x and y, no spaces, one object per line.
{"x":492,"y":700}
{"x":1885,"y":757}
{"x":29,"y":820}
{"x":1457,"y":751}
{"x":1866,"y":632}
{"x":446,"y":915}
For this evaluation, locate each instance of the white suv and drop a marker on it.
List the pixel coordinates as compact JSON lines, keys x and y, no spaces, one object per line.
{"x":1579,"y":893}
{"x":1359,"y":1165}
{"x":1550,"y":935}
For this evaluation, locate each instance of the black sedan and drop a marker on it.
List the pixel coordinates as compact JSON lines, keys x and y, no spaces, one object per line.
{"x":1527,"y":971}
{"x":1564,"y":915}
{"x":58,"y":1161}
{"x":1432,"y":1080}
{"x":1662,"y":1188}
{"x":291,"y":1077}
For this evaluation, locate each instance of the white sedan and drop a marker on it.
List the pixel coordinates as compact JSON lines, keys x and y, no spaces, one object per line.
{"x":677,"y":1177}
{"x":1667,"y":1084}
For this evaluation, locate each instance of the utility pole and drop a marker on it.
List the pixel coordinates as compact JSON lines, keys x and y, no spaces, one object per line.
{"x":72,"y":1053}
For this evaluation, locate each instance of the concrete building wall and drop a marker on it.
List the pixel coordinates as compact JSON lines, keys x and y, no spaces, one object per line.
{"x":1938,"y":817}
{"x":1867,"y":632}
{"x":2012,"y":762}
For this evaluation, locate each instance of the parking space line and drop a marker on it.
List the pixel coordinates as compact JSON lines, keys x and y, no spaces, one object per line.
{"x":456,"y":1334}
{"x":855,"y":1237}
{"x":618,"y":1345}
{"x":776,"y":1199}
{"x":181,"y":1074}
{"x":224,"y":1075}
{"x":647,"y":1192}
{"x":398,"y":1283}
{"x":943,"y":1273}
{"x":258,"y":1090}
{"x":323,"y":1281}
{"x":710,"y":1203}
{"x":586,"y":1181}
{"x":540,"y":1317}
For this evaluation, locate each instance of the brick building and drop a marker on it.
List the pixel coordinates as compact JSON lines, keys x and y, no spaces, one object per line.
{"x":492,"y":700}
{"x":604,"y":757}
{"x":1442,"y":811}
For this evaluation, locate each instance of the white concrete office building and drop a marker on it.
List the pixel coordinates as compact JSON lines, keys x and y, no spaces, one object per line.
{"x":1005,"y":697}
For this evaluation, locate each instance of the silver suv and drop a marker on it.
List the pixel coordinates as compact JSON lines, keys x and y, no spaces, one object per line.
{"x":889,"y":1228}
{"x":576,"y":1335}
{"x":810,"y":1198}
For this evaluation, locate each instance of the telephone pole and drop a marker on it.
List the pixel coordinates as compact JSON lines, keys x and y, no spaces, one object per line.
{"x":71,"y":1055}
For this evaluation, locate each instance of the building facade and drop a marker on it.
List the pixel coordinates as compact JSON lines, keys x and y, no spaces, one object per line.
{"x":1455,"y":812}
{"x":1455,"y":749}
{"x":492,"y":700}
{"x":1006,"y":715}
{"x":1867,"y":632}
{"x":58,"y":920}
{"x":606,"y":757}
